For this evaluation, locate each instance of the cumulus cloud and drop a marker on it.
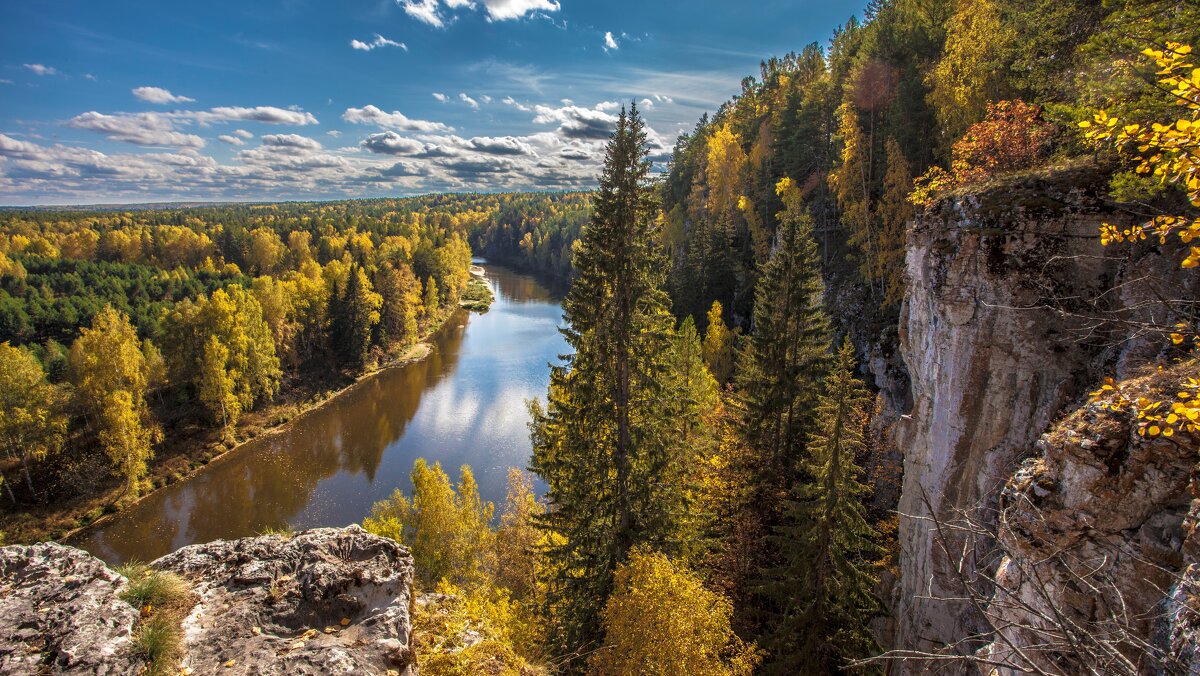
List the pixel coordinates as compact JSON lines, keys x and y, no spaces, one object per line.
{"x":290,"y":141}
{"x":159,"y":95}
{"x":243,"y":133}
{"x":441,"y":97}
{"x":468,"y":100}
{"x":144,"y":129}
{"x":576,"y":122}
{"x":231,"y":140}
{"x":500,"y":145}
{"x":40,"y":69}
{"x":610,"y":42}
{"x":376,"y":43}
{"x":370,"y":114}
{"x":268,"y":114}
{"x":391,"y":143}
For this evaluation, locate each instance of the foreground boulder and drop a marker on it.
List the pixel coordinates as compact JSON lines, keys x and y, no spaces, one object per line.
{"x":324,"y":601}
{"x":60,"y":613}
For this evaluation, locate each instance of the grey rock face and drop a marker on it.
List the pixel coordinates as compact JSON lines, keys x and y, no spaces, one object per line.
{"x":325,"y":601}
{"x":998,"y":338}
{"x":60,"y":613}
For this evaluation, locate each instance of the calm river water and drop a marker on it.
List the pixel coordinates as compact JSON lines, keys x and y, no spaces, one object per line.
{"x":463,"y":404}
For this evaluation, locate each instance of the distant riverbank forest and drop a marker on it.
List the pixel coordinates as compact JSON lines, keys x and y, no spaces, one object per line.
{"x":120,"y":331}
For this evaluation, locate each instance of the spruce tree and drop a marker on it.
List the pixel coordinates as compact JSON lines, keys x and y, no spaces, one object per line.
{"x":788,"y":349}
{"x":605,"y":439}
{"x":354,"y":318}
{"x":824,"y":587}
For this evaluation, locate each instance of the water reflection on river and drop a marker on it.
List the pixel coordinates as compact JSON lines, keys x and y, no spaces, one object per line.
{"x":465,"y":403}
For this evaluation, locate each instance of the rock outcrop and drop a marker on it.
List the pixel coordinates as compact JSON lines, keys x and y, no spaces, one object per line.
{"x":1092,"y":534}
{"x":324,"y":601}
{"x":1000,"y":334}
{"x":60,"y":612}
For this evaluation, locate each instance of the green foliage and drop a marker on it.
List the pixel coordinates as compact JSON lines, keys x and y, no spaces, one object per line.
{"x":605,"y":444}
{"x":354,"y":313}
{"x":824,"y":588}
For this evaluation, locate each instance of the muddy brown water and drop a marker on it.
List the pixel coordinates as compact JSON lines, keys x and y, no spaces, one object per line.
{"x":463,"y":404}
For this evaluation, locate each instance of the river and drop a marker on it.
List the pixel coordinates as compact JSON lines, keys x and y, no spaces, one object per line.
{"x":463,"y":404}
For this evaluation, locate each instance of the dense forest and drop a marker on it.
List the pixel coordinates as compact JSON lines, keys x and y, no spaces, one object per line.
{"x":126,"y":331}
{"x":720,"y":498}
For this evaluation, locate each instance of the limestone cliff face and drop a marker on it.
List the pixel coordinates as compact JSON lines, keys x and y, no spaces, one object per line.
{"x":999,"y":333}
{"x":325,"y":601}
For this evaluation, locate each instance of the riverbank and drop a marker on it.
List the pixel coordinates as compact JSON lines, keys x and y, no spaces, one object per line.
{"x":191,"y":447}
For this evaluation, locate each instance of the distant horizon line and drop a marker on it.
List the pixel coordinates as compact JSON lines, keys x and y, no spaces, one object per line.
{"x":214,"y":203}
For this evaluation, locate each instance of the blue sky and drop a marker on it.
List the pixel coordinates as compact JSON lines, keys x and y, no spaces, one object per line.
{"x":307,"y":99}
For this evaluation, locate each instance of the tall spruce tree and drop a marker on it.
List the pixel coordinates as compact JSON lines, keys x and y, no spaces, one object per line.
{"x":604,"y":440}
{"x":788,"y":350}
{"x":824,"y":587}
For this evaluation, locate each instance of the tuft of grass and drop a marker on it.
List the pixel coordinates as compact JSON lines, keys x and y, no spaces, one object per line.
{"x":159,"y":641}
{"x":286,"y":531}
{"x":153,"y":588}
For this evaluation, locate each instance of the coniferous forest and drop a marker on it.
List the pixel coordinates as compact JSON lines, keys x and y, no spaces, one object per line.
{"x":715,"y":478}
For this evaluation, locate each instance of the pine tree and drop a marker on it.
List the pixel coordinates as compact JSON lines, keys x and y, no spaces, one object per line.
{"x":825,"y":583}
{"x":605,"y":439}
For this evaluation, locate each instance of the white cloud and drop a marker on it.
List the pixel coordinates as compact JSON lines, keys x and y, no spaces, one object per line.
{"x":608,"y":105}
{"x":501,"y":10}
{"x":431,"y":11}
{"x":243,"y":133}
{"x":394,"y":120}
{"x":159,"y":95}
{"x":510,"y":101}
{"x":441,"y":97}
{"x":268,"y":114}
{"x":610,"y":42}
{"x":3,"y":81}
{"x":391,"y":143}
{"x":646,"y":103}
{"x":423,"y":10}
{"x":290,"y":141}
{"x":485,"y":98}
{"x":144,"y":129}
{"x":500,"y":145}
{"x":468,"y":100}
{"x":40,"y":69}
{"x":231,"y":140}
{"x":578,"y":123}
{"x":376,"y":43}
{"x":89,"y":76}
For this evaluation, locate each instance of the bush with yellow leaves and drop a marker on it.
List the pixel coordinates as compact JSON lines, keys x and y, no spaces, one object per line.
{"x":661,"y":619}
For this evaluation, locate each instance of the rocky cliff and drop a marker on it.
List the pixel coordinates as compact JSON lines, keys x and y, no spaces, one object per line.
{"x":324,"y":601}
{"x":1014,"y":310}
